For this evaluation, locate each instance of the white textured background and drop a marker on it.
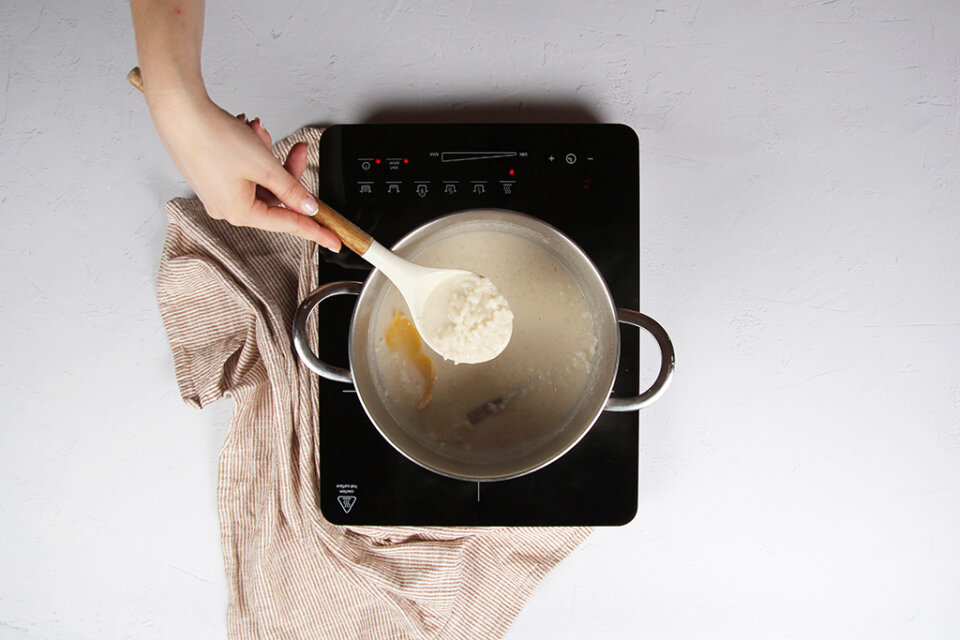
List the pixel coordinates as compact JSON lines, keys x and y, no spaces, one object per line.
{"x":801,"y":242}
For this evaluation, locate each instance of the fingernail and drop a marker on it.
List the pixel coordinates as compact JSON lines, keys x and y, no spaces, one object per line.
{"x":332,"y":247}
{"x":309,"y":206}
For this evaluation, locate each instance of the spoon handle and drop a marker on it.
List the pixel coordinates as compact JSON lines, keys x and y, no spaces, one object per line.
{"x":350,"y":234}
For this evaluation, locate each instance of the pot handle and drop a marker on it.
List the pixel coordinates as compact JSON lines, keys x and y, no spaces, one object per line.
{"x":667,"y":362}
{"x":301,"y":341}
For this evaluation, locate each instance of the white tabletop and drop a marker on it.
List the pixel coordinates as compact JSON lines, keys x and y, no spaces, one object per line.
{"x":800,"y":242}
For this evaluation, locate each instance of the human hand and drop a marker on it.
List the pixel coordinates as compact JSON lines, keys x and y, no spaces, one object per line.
{"x":230,"y":164}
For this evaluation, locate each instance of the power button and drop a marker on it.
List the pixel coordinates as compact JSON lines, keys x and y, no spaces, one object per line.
{"x":571,"y":158}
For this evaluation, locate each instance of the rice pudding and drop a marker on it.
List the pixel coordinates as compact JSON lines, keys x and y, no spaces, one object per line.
{"x":501,"y":407}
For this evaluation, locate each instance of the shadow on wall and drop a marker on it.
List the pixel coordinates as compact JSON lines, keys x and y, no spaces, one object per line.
{"x":470,"y":110}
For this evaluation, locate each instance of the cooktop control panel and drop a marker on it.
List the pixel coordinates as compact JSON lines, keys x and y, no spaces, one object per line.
{"x":436,"y":169}
{"x":458,"y":177}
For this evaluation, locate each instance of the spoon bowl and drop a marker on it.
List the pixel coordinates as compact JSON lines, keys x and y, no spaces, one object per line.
{"x":459,"y":314}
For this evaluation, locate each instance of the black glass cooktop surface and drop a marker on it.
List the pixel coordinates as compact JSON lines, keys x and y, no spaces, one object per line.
{"x":581,"y":178}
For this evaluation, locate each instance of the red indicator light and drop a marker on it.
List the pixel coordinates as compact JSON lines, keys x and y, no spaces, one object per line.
{"x":377,"y":161}
{"x":510,"y":172}
{"x":406,"y":161}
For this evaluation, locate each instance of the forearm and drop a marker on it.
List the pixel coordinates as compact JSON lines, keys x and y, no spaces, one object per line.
{"x":169,"y":37}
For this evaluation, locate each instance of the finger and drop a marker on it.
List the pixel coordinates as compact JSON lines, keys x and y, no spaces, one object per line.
{"x":295,"y":165}
{"x":296,"y":162}
{"x":213,"y":212}
{"x":285,"y":221}
{"x":288,"y":189}
{"x":258,"y":129}
{"x":270,"y":199}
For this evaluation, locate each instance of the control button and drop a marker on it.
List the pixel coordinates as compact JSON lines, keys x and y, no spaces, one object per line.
{"x":450,"y":188}
{"x":551,"y":158}
{"x":479,"y":188}
{"x":366,"y":187}
{"x":421,"y":190}
{"x":365,"y":165}
{"x":507,"y":187}
{"x":393,"y":187}
{"x":570,"y":158}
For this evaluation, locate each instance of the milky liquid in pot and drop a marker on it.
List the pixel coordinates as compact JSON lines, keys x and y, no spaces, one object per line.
{"x":529,"y":389}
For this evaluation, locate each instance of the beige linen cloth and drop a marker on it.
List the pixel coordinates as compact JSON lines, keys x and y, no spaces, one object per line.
{"x":227,"y":296}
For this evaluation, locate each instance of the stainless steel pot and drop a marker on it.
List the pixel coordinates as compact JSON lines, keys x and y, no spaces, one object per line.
{"x":594,"y":399}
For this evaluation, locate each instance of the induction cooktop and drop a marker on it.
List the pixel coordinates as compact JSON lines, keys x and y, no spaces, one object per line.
{"x":581,"y":178}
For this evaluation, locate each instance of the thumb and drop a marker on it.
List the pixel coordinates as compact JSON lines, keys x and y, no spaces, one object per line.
{"x":289,"y":190}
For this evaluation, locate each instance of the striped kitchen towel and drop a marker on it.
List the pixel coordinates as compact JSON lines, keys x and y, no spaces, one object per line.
{"x":227,"y":296}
